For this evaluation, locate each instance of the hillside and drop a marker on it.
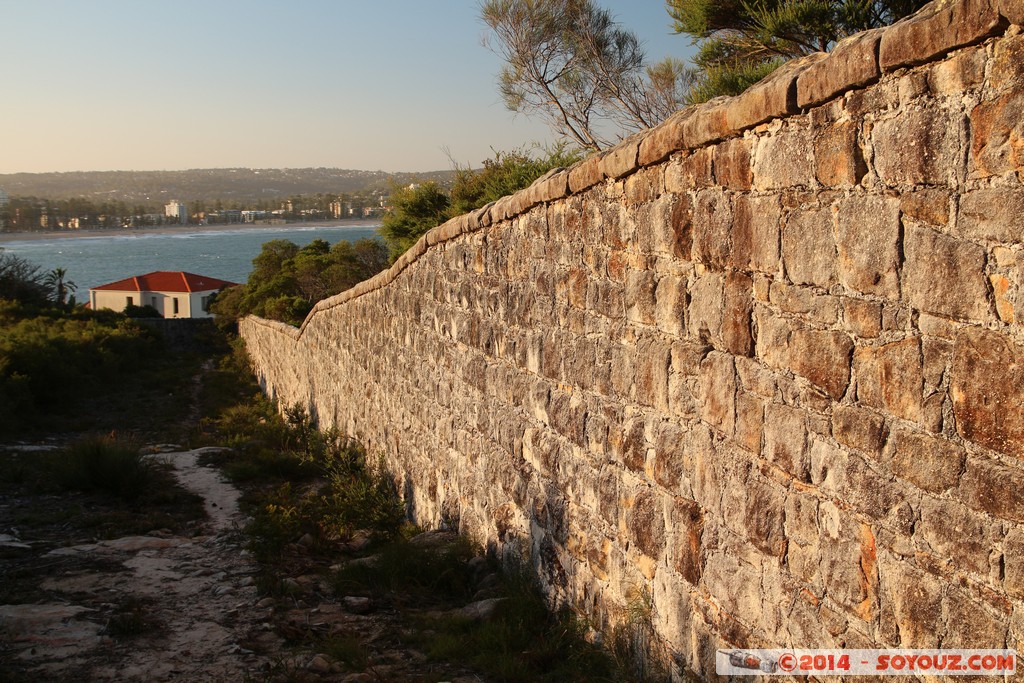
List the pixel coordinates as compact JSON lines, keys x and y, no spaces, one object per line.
{"x":229,"y":184}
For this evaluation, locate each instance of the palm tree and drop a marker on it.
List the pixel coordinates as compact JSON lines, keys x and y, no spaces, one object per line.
{"x":57,"y":280}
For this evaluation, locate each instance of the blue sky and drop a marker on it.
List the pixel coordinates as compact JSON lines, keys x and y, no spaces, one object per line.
{"x":173,"y":84}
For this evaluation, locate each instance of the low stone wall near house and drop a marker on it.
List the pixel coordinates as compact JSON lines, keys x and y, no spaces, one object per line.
{"x":758,"y":370}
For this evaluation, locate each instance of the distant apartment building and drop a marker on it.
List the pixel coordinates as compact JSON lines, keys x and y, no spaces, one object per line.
{"x":336,"y":209}
{"x":176,"y":211}
{"x":3,"y":198}
{"x":3,"y":207}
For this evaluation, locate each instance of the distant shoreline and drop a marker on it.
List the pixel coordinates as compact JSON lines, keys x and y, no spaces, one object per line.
{"x":174,"y":230}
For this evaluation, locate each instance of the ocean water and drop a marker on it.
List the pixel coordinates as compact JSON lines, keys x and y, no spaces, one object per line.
{"x":224,"y":254}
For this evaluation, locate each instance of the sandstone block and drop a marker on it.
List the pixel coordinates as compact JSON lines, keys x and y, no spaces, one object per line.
{"x":755,"y":233}
{"x":645,"y":185}
{"x":930,"y":462}
{"x":867,"y":240}
{"x":736,"y":320}
{"x":862,"y":318}
{"x":959,"y":74}
{"x":987,"y":388}
{"x":707,"y":304}
{"x":712,"y":227}
{"x":731,"y":164}
{"x":853,"y":62}
{"x":640,"y":302}
{"x":823,"y":357}
{"x":921,"y":146}
{"x":936,"y":29}
{"x":670,"y":305}
{"x":688,"y":530}
{"x":783,"y":160}
{"x":993,"y":488}
{"x":708,"y":123}
{"x":954,"y":531}
{"x":1013,"y":10}
{"x":785,"y":439}
{"x":691,"y":172}
{"x":838,"y":159}
{"x":669,"y":454}
{"x":849,"y":559}
{"x":764,"y":514}
{"x":646,"y":522}
{"x":809,"y":248}
{"x":945,"y":276}
{"x":859,"y":428}
{"x":915,"y":598}
{"x":586,"y":174}
{"x":749,"y":421}
{"x":652,"y":374}
{"x":661,"y":141}
{"x":621,"y":160}
{"x":927,"y":205}
{"x":1013,"y":557}
{"x":891,"y":377}
{"x":992,"y":214}
{"x":718,"y":385}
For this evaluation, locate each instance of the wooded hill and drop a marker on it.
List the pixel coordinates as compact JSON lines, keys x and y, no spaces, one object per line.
{"x":228,"y":184}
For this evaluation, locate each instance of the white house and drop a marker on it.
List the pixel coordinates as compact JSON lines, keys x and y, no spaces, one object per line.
{"x":174,"y":294}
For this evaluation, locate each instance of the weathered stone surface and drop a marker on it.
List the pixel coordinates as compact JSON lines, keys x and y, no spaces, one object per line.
{"x":859,"y":428}
{"x":992,"y":214}
{"x":809,"y":248}
{"x":853,"y":62}
{"x":736,"y":320}
{"x":731,"y":164}
{"x":576,"y":381}
{"x":930,"y":462}
{"x":928,"y":205}
{"x":891,"y":377}
{"x":712,"y":221}
{"x":785,"y":439}
{"x":586,"y":174}
{"x":987,"y":387}
{"x":919,"y":147}
{"x":867,"y":239}
{"x":823,"y":357}
{"x":838,"y":159}
{"x":621,"y":160}
{"x":785,"y":159}
{"x":936,"y":29}
{"x":945,"y":276}
{"x":993,"y":488}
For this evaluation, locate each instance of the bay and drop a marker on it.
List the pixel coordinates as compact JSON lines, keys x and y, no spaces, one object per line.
{"x":227,"y":254}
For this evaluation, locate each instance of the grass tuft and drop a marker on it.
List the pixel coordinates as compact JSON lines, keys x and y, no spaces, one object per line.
{"x":110,"y":464}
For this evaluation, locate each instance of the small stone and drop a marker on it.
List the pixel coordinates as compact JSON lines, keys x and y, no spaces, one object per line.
{"x":320,"y":664}
{"x":358,"y":605}
{"x":307,"y":540}
{"x":266,"y":602}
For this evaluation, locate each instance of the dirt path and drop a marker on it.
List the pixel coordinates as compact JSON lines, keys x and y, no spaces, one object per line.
{"x":150,"y":608}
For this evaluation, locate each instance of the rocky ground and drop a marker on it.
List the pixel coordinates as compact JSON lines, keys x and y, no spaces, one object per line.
{"x":184,"y":606}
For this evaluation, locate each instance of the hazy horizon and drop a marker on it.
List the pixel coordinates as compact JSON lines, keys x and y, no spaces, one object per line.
{"x":400,"y":86}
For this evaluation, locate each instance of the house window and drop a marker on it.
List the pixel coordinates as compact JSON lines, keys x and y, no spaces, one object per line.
{"x":131,"y":301}
{"x":175,"y":305}
{"x":152,"y":301}
{"x":206,"y":304}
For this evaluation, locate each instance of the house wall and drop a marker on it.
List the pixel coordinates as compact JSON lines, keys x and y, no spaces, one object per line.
{"x":757,"y":371}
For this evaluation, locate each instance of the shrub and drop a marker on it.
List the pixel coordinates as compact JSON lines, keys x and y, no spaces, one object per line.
{"x":110,"y":464}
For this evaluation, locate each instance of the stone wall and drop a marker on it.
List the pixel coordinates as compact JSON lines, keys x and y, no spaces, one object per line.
{"x":755,"y":373}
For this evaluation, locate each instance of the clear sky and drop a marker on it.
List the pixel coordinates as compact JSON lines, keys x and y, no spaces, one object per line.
{"x":175,"y":84}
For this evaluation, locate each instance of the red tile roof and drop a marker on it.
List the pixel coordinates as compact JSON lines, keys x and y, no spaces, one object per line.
{"x":167,"y":281}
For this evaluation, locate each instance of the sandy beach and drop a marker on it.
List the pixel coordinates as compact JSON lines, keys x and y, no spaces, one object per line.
{"x":180,"y":229}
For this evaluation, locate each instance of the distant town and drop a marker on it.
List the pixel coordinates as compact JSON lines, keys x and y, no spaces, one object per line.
{"x":32,"y":214}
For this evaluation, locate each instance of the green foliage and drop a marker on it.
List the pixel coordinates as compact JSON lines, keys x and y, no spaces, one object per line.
{"x":21,"y":280}
{"x":741,"y":41}
{"x":50,"y":360}
{"x":504,"y":174}
{"x":414,"y":209}
{"x":110,"y":464}
{"x":286,"y":281}
{"x":147,"y":311}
